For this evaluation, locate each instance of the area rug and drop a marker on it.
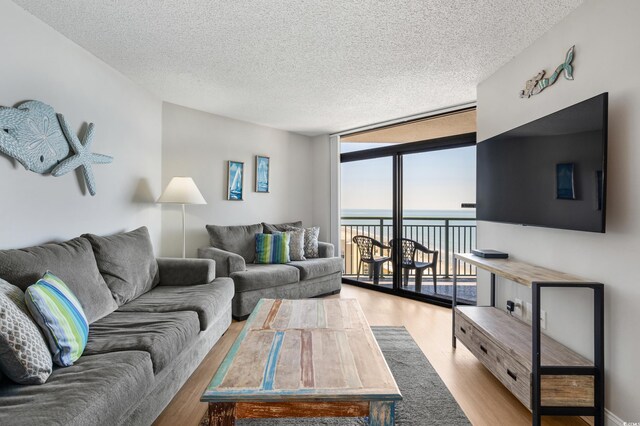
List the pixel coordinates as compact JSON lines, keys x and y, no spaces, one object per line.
{"x":426,"y":399}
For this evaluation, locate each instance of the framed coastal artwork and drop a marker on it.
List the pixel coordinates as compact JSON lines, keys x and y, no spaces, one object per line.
{"x":235,"y":181}
{"x":263,"y":167}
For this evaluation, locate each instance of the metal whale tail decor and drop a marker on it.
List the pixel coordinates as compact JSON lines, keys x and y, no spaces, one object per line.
{"x":537,"y":84}
{"x":43,"y":143}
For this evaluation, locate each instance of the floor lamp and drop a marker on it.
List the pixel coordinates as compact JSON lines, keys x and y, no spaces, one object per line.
{"x":182,"y":190}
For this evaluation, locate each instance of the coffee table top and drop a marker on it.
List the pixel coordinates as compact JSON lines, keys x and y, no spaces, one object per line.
{"x":313,"y":349}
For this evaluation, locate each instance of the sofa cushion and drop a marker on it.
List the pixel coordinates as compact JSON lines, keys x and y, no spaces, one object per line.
{"x":162,"y":335}
{"x":24,"y":354}
{"x":264,"y":276}
{"x":186,"y":272}
{"x":73,"y":261}
{"x":97,"y":390}
{"x":60,"y":317}
{"x":316,"y":268}
{"x":270,"y":228}
{"x":127,"y":263}
{"x":236,"y":239}
{"x":207,"y":300}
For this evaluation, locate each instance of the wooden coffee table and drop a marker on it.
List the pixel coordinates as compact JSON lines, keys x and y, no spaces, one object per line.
{"x":304,"y":358}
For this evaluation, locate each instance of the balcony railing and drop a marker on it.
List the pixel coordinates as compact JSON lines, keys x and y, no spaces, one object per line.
{"x":446,"y":234}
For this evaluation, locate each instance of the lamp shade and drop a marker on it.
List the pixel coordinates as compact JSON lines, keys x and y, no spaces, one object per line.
{"x":182,"y":190}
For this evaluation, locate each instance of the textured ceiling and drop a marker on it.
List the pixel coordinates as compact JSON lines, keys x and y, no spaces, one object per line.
{"x":312,"y":67}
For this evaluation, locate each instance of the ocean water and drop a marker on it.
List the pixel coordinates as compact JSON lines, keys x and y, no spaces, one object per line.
{"x":460,"y":217}
{"x":460,"y":213}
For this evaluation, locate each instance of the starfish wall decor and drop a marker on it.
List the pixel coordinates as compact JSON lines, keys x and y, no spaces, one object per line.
{"x":82,"y":157}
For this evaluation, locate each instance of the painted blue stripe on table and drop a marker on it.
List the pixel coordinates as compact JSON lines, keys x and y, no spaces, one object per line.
{"x":272,"y":361}
{"x":302,"y":394}
{"x":224,"y":367}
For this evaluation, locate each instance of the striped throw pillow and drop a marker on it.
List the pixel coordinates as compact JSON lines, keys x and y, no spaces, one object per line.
{"x":272,"y":248}
{"x":60,"y":317}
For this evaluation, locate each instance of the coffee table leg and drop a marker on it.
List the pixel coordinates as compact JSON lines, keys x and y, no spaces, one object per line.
{"x":382,"y":413}
{"x":222,"y":413}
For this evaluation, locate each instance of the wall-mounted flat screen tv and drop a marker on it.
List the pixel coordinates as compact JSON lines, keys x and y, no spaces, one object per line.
{"x":550,"y":172}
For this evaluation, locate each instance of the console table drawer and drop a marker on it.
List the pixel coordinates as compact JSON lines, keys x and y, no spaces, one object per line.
{"x":464,"y":329}
{"x":513,"y":375}
{"x":477,"y":344}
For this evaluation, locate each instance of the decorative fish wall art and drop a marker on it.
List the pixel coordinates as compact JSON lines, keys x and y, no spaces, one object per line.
{"x":537,"y":84}
{"x":43,"y":142}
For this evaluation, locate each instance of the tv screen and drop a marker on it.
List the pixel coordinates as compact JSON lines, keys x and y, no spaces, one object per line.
{"x":550,"y":172}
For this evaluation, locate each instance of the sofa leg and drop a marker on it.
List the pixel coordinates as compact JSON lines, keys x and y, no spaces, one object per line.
{"x":240,"y":318}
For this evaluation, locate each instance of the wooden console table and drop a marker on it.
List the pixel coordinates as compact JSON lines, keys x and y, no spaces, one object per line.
{"x":555,"y":381}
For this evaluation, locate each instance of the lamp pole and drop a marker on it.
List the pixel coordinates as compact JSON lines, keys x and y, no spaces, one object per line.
{"x":184,"y":234}
{"x":182,"y":190}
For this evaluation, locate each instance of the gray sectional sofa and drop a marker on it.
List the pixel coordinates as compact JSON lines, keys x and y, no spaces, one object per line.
{"x":141,"y":347}
{"x":233,"y":248}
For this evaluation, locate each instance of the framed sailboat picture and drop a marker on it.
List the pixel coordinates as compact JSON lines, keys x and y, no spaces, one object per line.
{"x":262,"y":173}
{"x":235,"y":180}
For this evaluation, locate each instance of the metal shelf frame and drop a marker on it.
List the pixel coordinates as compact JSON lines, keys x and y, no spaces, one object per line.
{"x":538,"y":370}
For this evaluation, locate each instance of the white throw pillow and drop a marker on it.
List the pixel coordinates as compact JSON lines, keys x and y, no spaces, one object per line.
{"x":296,"y":243}
{"x":310,"y":241}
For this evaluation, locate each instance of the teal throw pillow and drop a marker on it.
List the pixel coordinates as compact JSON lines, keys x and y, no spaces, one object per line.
{"x":60,"y":316}
{"x":272,"y":248}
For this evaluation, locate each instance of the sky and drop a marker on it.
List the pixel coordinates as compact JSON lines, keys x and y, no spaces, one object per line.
{"x":437,"y":180}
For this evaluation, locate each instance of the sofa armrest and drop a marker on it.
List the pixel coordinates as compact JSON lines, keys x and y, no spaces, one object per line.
{"x":226,"y":262}
{"x":325,"y":249}
{"x":175,"y":271}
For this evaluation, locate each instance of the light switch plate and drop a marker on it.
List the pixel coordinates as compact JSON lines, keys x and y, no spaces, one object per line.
{"x":518,"y":308}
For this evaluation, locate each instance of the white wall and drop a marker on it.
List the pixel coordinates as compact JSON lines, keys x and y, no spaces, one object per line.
{"x":322,"y":185}
{"x":326,"y":188}
{"x":39,"y":63}
{"x":606,"y":36}
{"x":199,"y":144}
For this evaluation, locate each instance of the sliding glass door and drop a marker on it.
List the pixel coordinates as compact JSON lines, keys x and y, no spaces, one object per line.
{"x":406,"y":208}
{"x":366,"y":227}
{"x":438,"y":219}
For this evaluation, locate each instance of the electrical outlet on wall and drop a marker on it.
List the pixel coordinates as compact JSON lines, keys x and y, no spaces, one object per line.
{"x":528,"y":312}
{"x":518,"y":310}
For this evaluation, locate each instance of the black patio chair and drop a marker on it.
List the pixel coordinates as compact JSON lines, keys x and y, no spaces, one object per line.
{"x":366,"y":248}
{"x":409,"y":250}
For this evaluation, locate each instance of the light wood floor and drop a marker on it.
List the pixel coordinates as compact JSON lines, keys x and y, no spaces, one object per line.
{"x":483,"y":399}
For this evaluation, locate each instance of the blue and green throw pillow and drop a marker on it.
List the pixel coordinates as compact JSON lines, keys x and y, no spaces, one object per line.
{"x":272,"y":248}
{"x":60,"y":317}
